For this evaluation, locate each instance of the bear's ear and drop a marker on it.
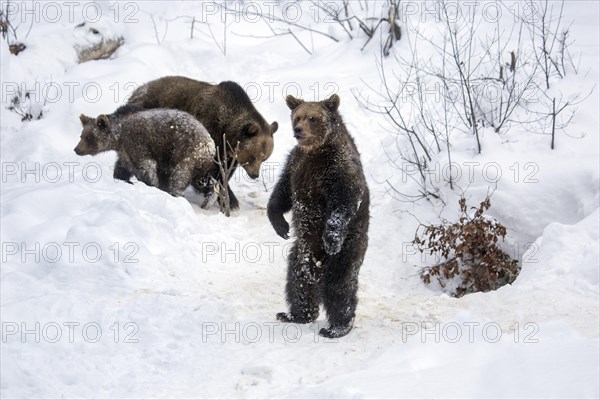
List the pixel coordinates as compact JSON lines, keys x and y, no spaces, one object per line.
{"x":293,"y":102}
{"x":84,"y":119}
{"x":274,"y":127}
{"x":332,"y":103}
{"x":102,"y":121}
{"x":251,"y":129}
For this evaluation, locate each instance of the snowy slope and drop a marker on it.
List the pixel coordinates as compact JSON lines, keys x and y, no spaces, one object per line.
{"x":121,"y":291}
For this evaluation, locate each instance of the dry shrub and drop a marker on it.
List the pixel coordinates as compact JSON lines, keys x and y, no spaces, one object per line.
{"x":470,"y":258}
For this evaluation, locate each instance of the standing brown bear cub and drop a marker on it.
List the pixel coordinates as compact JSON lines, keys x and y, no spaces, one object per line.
{"x":324,"y":185}
{"x":223,"y":109}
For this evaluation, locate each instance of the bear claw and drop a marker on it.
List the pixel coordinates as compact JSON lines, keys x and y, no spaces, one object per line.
{"x":282,"y":228}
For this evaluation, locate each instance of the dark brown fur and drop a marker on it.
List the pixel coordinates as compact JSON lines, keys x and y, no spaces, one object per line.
{"x":223,"y":109}
{"x":324,"y":186}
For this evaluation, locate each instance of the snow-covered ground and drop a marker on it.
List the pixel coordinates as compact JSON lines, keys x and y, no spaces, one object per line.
{"x":110,"y":290}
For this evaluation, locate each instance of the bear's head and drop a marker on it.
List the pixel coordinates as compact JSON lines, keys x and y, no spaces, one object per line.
{"x":255,"y":146}
{"x":95,"y":135}
{"x":312,"y":122}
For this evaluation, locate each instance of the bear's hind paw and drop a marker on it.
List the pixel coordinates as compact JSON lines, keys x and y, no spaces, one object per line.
{"x":284,"y":317}
{"x":289,"y":318}
{"x":335,"y":331}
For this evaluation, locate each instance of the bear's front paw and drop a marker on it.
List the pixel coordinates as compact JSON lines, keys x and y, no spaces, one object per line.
{"x":282,"y":228}
{"x":332,"y":242}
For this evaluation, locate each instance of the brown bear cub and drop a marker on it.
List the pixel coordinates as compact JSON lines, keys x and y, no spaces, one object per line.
{"x":223,"y":109}
{"x":324,"y":185}
{"x":168,"y":149}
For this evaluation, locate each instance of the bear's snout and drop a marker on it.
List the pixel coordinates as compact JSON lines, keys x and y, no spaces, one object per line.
{"x":77,"y":151}
{"x":298,"y":134}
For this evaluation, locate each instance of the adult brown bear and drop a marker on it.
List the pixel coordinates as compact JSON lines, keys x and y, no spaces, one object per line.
{"x":223,"y":109}
{"x":324,"y":185}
